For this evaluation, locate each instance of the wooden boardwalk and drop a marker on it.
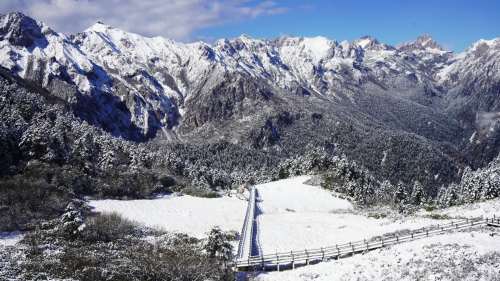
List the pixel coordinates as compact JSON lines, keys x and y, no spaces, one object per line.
{"x":292,"y":259}
{"x":247,"y":232}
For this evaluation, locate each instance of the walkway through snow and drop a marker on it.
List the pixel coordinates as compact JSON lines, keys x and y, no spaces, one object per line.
{"x":297,"y":216}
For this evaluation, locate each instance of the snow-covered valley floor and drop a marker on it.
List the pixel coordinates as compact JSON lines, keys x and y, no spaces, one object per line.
{"x":185,"y":214}
{"x":297,"y":216}
{"x":292,"y":215}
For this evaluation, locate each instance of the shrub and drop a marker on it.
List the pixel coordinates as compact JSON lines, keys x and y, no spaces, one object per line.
{"x":31,"y":197}
{"x":200,"y":192}
{"x":170,"y":257}
{"x":107,"y":227}
{"x":429,"y":207}
{"x":167,"y":181}
{"x":176,"y":258}
{"x":377,"y":215}
{"x":439,"y":217}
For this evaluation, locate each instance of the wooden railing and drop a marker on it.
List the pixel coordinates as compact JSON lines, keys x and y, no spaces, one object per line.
{"x":245,"y":243}
{"x":290,"y":259}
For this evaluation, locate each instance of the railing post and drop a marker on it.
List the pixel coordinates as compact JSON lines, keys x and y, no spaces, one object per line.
{"x":263,"y":264}
{"x":293,"y":259}
{"x":307,"y":257}
{"x":322,"y":254}
{"x":278,"y":261}
{"x":338,"y":251}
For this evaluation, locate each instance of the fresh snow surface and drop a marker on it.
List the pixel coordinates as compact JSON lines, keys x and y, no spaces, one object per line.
{"x":10,"y":238}
{"x":486,"y":209}
{"x":318,"y":47}
{"x":308,"y":217}
{"x":456,"y":256}
{"x":296,"y":216}
{"x":293,"y":194}
{"x":363,"y":43}
{"x":185,"y":214}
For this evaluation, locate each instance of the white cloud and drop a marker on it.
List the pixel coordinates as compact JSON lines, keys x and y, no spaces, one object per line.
{"x":176,"y":19}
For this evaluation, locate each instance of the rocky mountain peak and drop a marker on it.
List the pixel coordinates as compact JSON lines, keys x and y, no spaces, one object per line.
{"x":423,"y":42}
{"x":100,"y":27}
{"x":371,"y":43}
{"x":21,"y":30}
{"x":366,"y":41}
{"x":483,"y":45}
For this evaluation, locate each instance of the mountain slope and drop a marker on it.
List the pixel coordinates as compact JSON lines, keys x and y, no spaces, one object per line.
{"x":406,"y":113}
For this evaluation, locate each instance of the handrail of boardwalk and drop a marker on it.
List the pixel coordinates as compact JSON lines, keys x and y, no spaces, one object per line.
{"x":245,"y":243}
{"x":291,"y":258}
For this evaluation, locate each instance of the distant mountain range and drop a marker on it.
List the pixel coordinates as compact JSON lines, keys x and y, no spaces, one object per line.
{"x":411,"y":112}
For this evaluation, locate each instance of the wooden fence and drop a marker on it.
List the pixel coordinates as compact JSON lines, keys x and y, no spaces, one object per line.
{"x":287,"y":260}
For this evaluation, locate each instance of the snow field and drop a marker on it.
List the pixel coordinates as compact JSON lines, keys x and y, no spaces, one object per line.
{"x":296,"y":216}
{"x":185,"y":214}
{"x":10,"y":238}
{"x":482,"y":209}
{"x":291,"y":215}
{"x":457,"y":256}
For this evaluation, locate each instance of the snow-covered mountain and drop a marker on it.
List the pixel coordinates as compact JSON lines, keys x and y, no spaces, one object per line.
{"x":154,"y":77}
{"x":364,"y":97}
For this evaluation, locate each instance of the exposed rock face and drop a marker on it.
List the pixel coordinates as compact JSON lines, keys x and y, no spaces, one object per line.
{"x":20,"y":30}
{"x":422,"y":43}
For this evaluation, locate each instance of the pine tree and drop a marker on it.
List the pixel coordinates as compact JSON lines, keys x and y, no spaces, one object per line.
{"x":218,"y":245}
{"x":418,"y":194}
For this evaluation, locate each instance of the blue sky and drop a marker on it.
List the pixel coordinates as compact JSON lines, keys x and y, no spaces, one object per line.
{"x":455,"y":24}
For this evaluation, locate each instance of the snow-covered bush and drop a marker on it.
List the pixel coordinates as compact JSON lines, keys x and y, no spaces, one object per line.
{"x":111,"y":248}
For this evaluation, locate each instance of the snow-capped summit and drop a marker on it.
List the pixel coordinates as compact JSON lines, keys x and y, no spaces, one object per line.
{"x":371,"y":43}
{"x":422,"y":43}
{"x":477,"y":68}
{"x":317,"y":47}
{"x":483,"y":45}
{"x":20,"y":30}
{"x":153,"y":78}
{"x":99,"y":26}
{"x":35,"y":52}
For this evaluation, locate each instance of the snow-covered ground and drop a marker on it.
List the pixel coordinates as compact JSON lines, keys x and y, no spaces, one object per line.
{"x":186,"y":214}
{"x":297,"y":216}
{"x":10,"y":238}
{"x":292,"y":215}
{"x":456,"y":256}
{"x":481,"y":209}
